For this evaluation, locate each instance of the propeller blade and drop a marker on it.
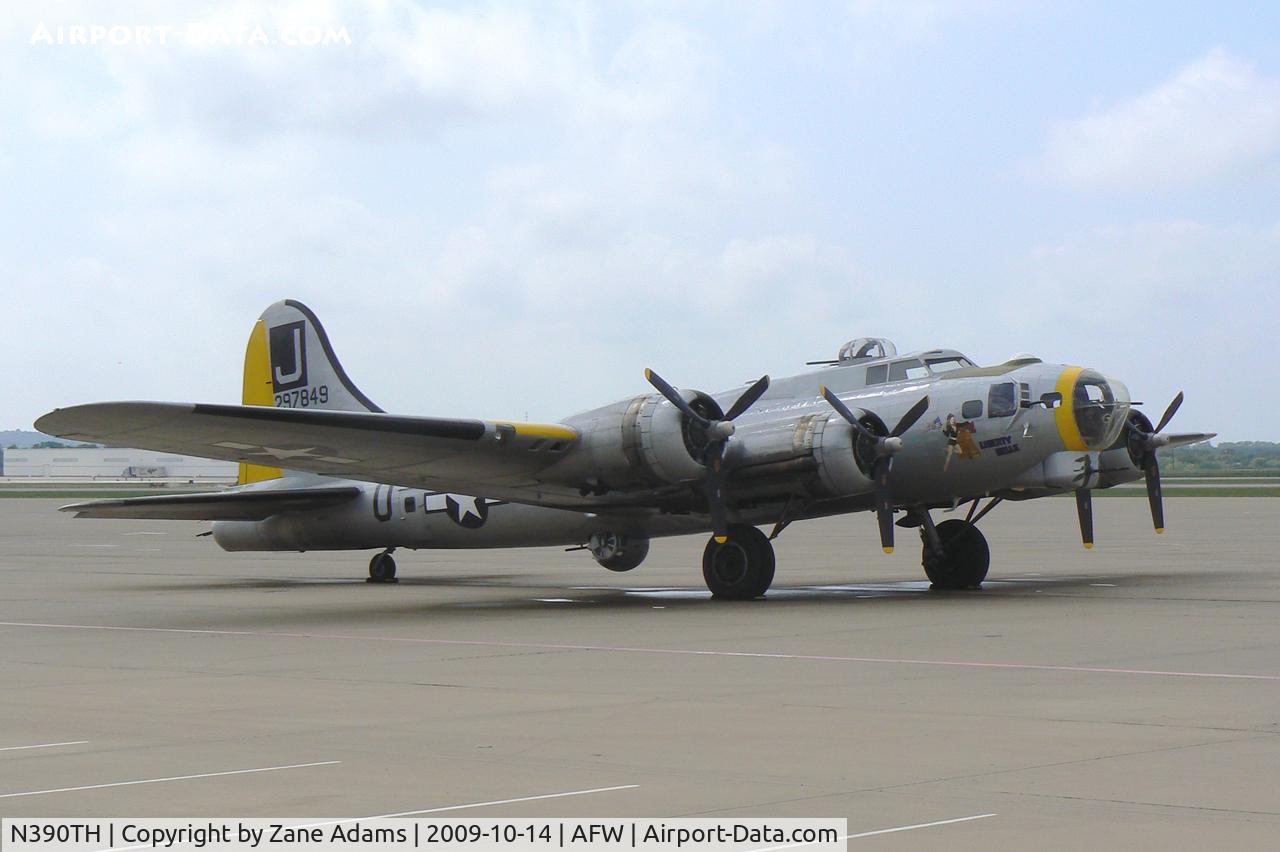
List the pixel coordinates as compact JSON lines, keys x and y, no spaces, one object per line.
{"x":1084,"y":508}
{"x":1169,"y":412}
{"x":713,"y":486}
{"x":1151,"y":468}
{"x":884,"y":501}
{"x":673,"y":396}
{"x":748,"y":398}
{"x":843,"y":411}
{"x":909,"y":419}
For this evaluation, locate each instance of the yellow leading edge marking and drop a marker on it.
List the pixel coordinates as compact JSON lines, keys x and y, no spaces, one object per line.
{"x":542,"y":430}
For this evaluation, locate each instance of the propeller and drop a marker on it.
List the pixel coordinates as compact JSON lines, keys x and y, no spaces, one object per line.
{"x":883,"y":448}
{"x":718,"y":432}
{"x":1084,"y":508}
{"x":1084,"y":500}
{"x":1142,"y":449}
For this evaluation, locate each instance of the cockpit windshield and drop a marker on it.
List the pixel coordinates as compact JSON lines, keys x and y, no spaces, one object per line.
{"x":1100,"y":406}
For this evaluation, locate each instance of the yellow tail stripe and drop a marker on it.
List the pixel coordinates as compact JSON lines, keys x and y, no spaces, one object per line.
{"x":257,"y":391}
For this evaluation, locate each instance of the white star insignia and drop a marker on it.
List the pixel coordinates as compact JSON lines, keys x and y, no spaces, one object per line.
{"x":466,"y":506}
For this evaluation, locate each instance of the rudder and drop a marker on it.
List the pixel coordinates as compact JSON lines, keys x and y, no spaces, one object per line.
{"x":289,"y":363}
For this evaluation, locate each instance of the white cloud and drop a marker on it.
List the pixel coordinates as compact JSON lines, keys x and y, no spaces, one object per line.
{"x":1216,"y":118}
{"x":1164,"y":306}
{"x":601,"y":225}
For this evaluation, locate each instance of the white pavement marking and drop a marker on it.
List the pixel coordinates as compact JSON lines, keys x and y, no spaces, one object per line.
{"x":144,"y":533}
{"x":918,"y":825}
{"x":893,"y":830}
{"x":430,"y":810}
{"x":477,"y":805}
{"x":43,"y":745}
{"x":93,"y":545}
{"x":624,"y":649}
{"x":161,"y":780}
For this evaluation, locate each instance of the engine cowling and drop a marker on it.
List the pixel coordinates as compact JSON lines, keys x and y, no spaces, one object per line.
{"x":819,"y":456}
{"x":643,"y":441}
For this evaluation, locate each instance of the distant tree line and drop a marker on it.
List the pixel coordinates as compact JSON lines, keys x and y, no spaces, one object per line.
{"x":1239,"y":458}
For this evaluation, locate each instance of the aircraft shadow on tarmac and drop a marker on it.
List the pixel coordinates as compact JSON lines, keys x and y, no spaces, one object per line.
{"x":354,"y":601}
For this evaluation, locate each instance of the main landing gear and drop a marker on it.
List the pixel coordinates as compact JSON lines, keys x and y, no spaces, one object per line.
{"x":955,"y":553}
{"x":741,"y":567}
{"x":382,"y":568}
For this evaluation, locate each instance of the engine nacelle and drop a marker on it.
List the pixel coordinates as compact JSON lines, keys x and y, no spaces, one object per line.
{"x":819,"y":456}
{"x":618,"y":552}
{"x":644,"y":440}
{"x":841,"y":467}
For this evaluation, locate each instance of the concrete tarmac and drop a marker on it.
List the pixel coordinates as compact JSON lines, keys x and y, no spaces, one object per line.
{"x":1125,"y":697}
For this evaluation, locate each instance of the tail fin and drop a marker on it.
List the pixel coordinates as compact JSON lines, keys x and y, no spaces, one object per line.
{"x":289,"y":363}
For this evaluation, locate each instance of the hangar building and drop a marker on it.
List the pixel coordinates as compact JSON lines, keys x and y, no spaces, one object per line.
{"x":111,"y":462}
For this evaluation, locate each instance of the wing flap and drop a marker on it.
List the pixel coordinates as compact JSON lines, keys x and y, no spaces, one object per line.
{"x":216,"y":506}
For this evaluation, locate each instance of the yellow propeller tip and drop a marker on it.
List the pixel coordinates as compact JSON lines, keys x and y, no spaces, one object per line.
{"x":822,"y":390}
{"x":647,"y":372}
{"x":1159,"y":530}
{"x":1088,"y":545}
{"x":721,"y":539}
{"x":888,"y":550}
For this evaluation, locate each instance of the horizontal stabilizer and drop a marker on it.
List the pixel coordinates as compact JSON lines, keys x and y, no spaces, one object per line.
{"x":216,"y":506}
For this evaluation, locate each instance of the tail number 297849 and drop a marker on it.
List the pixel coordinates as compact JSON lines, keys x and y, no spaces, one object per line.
{"x":303,"y":397}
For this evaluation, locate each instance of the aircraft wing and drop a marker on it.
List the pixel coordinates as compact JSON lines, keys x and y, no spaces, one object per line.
{"x":216,"y":506}
{"x":494,"y":458}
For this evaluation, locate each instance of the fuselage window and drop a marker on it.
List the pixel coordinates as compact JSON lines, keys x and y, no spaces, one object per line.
{"x":410,"y":505}
{"x":971,"y":410}
{"x":1002,"y":401}
{"x":877,"y":373}
{"x":902,"y":370}
{"x":946,"y":365}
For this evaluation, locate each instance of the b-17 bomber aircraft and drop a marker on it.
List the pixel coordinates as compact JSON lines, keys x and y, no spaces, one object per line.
{"x":324,"y":468}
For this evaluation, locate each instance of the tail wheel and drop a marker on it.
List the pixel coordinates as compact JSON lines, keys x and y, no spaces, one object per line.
{"x":742,"y":567}
{"x":964,"y":559}
{"x":382,"y":569}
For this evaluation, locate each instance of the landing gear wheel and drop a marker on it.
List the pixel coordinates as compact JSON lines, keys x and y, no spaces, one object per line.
{"x":964,"y":559}
{"x":382,"y":569}
{"x":742,"y":567}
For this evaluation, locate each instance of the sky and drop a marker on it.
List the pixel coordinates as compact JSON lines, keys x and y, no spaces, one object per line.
{"x":509,"y":210}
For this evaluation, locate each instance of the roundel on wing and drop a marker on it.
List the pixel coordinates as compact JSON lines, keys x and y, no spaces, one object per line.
{"x":469,"y":512}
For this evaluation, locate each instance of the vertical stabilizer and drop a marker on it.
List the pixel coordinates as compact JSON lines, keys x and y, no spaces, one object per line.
{"x":289,"y":363}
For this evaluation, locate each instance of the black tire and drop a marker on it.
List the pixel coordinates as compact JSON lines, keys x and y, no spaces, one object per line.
{"x":382,"y":569}
{"x":964,"y":559}
{"x":742,"y":567}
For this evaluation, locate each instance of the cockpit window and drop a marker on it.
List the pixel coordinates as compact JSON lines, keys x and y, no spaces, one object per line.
{"x":1100,"y":408}
{"x":946,"y":365}
{"x":910,"y":369}
{"x":877,"y":373}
